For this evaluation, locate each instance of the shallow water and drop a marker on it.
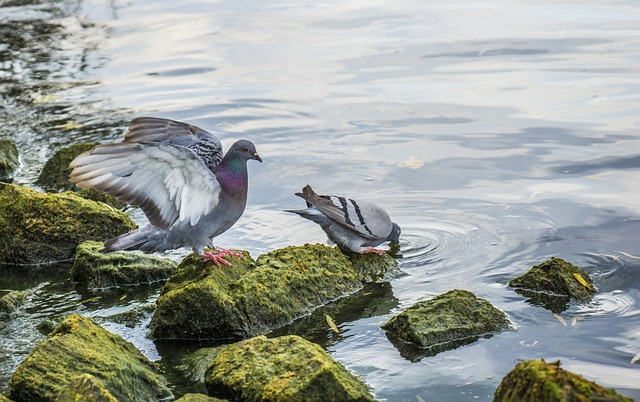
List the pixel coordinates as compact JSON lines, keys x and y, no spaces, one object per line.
{"x":497,"y":135}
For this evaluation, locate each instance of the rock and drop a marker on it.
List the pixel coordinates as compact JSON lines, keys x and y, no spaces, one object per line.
{"x":39,"y":227}
{"x":85,"y":388}
{"x":445,"y":322}
{"x":195,"y":365}
{"x":10,"y":302}
{"x":203,"y":301}
{"x":372,"y":267}
{"x":199,"y":398}
{"x":287,"y":368}
{"x":97,"y":270}
{"x":553,"y":284}
{"x":55,"y":175}
{"x":9,"y":161}
{"x":4,"y":399}
{"x":537,"y":380}
{"x":79,"y":346}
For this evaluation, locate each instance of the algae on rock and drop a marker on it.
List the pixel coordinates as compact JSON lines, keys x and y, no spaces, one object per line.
{"x":39,"y":227}
{"x":537,"y":380}
{"x":94,"y":269}
{"x":10,"y":302}
{"x":79,"y":346}
{"x":9,"y":161}
{"x":447,"y":321}
{"x":199,"y":398}
{"x":283,"y":369}
{"x":553,"y":283}
{"x":203,"y":301}
{"x":54,"y":176}
{"x":372,"y":267}
{"x":85,"y":388}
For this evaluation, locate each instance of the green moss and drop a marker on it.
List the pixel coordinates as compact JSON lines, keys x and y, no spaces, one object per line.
{"x":201,"y":300}
{"x":445,"y":322}
{"x":196,"y":364}
{"x":39,"y":227}
{"x":10,"y":302}
{"x":537,"y":380}
{"x":4,"y":399}
{"x":85,"y":388}
{"x":79,"y":346}
{"x":55,"y":175}
{"x":372,"y":267}
{"x":553,"y":283}
{"x":287,"y":368}
{"x":199,"y":398}
{"x":9,"y":161}
{"x":94,"y":269}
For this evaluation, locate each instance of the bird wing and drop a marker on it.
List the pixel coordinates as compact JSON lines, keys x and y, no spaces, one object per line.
{"x":169,"y":183}
{"x":157,"y":130}
{"x":366,"y":219}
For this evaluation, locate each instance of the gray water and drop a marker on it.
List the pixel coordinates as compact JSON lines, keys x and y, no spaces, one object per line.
{"x":496,"y":134}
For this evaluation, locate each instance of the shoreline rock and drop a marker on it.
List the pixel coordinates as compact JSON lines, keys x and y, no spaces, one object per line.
{"x":9,"y":160}
{"x":445,"y":322}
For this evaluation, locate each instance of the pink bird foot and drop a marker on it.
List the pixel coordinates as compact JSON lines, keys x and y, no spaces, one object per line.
{"x":218,"y":254}
{"x":371,"y":250}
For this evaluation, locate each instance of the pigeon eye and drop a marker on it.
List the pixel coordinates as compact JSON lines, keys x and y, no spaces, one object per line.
{"x":245,"y":149}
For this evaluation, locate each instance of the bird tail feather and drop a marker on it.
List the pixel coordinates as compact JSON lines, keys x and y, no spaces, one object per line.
{"x":128,"y":241}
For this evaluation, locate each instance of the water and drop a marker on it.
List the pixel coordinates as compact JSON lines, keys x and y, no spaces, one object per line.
{"x":497,"y":135}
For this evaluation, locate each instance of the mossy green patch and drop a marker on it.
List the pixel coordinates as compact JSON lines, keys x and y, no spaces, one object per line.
{"x":10,"y":302}
{"x":372,"y":267}
{"x":9,"y":161}
{"x":94,"y":269}
{"x":553,"y":283}
{"x":39,"y":227}
{"x":54,"y":176}
{"x":537,"y":380}
{"x":203,"y":301}
{"x":445,"y":322}
{"x":199,"y":398}
{"x":286,"y":368}
{"x":79,"y":346}
{"x":85,"y":388}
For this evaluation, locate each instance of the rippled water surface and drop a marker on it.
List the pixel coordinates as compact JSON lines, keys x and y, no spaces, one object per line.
{"x":497,"y":134}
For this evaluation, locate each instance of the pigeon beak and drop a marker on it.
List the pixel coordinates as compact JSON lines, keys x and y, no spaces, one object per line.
{"x":257,"y":157}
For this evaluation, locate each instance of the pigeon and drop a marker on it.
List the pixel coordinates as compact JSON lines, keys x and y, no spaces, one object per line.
{"x":356,"y":226}
{"x":176,"y":173}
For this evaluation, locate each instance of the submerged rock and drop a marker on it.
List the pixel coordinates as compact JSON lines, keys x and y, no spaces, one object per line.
{"x":537,"y":380}
{"x":94,"y":269}
{"x":250,"y":298}
{"x":287,"y":368}
{"x":85,"y":388}
{"x":10,"y":302}
{"x":447,"y":321}
{"x":39,"y":227}
{"x":54,"y":176}
{"x":9,"y":161}
{"x":553,"y":284}
{"x":78,"y":346}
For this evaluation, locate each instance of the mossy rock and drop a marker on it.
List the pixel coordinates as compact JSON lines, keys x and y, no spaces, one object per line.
{"x":286,"y":368}
{"x":4,"y":399}
{"x":54,"y":176}
{"x":553,"y":284}
{"x":97,"y":270}
{"x":85,"y":388}
{"x":9,"y":161}
{"x":78,"y":346}
{"x":250,"y":298}
{"x":537,"y":380}
{"x":39,"y":227}
{"x":10,"y":302}
{"x":447,"y":321}
{"x":372,"y":267}
{"x":199,"y":398}
{"x":195,"y":365}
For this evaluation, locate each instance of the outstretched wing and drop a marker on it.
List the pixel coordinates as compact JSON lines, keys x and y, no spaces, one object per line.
{"x":367,"y":219}
{"x":169,"y":183}
{"x":157,"y":130}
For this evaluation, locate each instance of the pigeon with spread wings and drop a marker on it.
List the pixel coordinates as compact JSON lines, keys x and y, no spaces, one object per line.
{"x":177,"y":174}
{"x":356,"y":226}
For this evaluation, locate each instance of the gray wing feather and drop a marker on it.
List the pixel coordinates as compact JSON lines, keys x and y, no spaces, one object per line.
{"x":366,"y":219}
{"x":169,"y":183}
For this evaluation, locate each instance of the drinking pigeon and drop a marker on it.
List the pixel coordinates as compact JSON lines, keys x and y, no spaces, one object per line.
{"x":356,"y":226}
{"x":176,"y":173}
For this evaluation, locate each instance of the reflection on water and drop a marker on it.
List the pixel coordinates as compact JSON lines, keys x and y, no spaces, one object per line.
{"x":497,"y":135}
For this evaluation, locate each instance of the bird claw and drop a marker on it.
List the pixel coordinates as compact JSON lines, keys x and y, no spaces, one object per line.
{"x":217,"y":255}
{"x":371,"y":250}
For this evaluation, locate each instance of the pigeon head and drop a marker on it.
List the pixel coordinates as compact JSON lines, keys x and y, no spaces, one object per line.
{"x":244,"y":150}
{"x":394,"y":236}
